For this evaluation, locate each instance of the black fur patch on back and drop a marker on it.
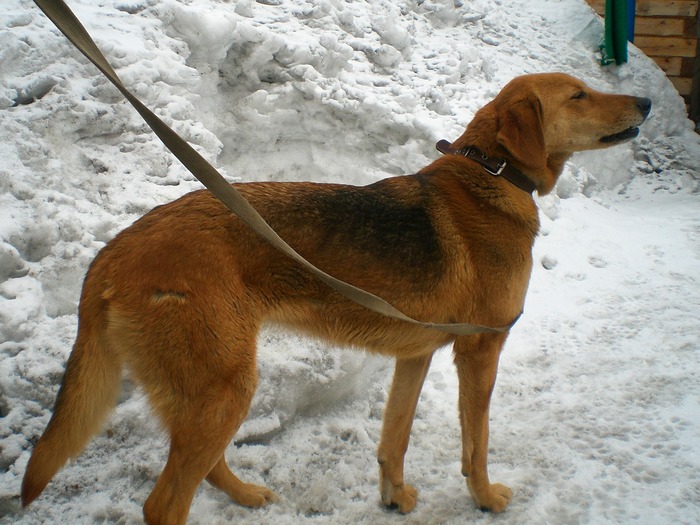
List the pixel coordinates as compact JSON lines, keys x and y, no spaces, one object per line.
{"x":376,"y":222}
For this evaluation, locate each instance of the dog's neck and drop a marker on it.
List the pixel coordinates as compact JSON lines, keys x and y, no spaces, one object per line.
{"x":484,"y":126}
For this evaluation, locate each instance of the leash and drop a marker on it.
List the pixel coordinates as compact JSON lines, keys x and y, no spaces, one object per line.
{"x":64,"y":19}
{"x":497,"y":168}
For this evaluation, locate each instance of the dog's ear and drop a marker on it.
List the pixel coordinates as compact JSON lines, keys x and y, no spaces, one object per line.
{"x":521,"y":134}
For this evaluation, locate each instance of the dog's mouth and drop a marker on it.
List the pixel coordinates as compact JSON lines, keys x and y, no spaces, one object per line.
{"x":627,"y":134}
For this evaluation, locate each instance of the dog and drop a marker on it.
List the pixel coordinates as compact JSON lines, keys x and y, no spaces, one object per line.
{"x":178,"y":297}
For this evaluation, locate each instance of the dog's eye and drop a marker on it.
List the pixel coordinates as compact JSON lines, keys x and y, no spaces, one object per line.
{"x":579,"y":95}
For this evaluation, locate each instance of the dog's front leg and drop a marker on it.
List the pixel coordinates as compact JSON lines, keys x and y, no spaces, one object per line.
{"x":476,"y":358}
{"x":409,"y":375}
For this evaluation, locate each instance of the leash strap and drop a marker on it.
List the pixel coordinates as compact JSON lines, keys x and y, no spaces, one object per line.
{"x":64,"y":19}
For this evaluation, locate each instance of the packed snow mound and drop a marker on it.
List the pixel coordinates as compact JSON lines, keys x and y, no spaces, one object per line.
{"x":595,"y":416}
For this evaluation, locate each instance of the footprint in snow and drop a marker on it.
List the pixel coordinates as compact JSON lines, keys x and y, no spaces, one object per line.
{"x":597,"y":261}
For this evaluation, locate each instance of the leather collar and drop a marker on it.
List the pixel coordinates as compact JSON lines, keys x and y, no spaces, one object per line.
{"x":495,"y":167}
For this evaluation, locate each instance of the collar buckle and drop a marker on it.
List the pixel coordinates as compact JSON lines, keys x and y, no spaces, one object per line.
{"x":499,"y":169}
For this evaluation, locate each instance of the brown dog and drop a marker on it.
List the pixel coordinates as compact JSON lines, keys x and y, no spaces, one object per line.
{"x":179,"y":296}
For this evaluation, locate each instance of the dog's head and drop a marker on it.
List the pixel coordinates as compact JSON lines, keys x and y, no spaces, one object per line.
{"x":537,"y":121}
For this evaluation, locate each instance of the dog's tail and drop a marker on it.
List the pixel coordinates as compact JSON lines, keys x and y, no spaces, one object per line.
{"x":88,"y":391}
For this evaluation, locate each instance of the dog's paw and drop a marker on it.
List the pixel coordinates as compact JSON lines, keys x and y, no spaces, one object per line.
{"x":254,"y":496}
{"x":401,"y":496}
{"x":493,"y":498}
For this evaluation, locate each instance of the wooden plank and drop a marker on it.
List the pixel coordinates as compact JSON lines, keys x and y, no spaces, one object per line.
{"x":645,"y":25}
{"x":667,"y":8}
{"x":658,"y":46}
{"x":656,"y":8}
{"x":670,"y":65}
{"x":598,"y":6}
{"x":684,"y":85}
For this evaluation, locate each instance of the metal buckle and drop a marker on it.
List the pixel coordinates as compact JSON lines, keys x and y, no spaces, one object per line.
{"x":474,"y":154}
{"x":498,"y":172}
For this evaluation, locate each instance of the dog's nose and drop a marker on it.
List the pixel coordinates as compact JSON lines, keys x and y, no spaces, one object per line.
{"x":644,"y":105}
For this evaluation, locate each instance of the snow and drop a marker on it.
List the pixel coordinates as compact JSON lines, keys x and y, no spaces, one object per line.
{"x":596,"y":414}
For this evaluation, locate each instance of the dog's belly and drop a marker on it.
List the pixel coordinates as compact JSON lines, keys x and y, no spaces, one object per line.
{"x":364,"y":330}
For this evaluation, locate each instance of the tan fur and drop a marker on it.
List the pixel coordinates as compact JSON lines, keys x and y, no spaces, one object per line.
{"x":179,"y":296}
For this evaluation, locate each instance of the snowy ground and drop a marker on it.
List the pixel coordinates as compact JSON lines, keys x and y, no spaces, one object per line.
{"x":596,"y":414}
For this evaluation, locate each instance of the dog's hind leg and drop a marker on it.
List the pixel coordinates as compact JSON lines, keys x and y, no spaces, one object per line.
{"x":409,"y":375}
{"x":245,"y":494}
{"x":201,"y":425}
{"x":198,"y":369}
